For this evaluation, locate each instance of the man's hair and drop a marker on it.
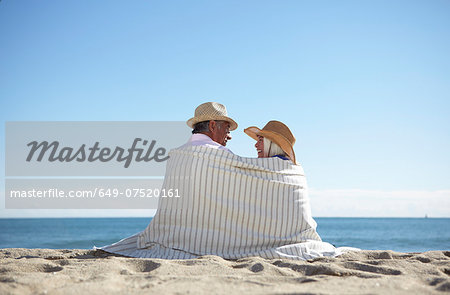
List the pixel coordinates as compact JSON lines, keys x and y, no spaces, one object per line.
{"x":272,"y":149}
{"x":201,"y":127}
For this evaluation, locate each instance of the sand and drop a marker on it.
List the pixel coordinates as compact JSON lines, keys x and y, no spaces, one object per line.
{"x":45,"y":271}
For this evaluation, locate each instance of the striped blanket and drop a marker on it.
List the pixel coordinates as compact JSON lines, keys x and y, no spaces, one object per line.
{"x":229,"y":206}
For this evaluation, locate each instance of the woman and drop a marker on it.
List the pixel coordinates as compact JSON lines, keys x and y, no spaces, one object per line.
{"x":274,"y":140}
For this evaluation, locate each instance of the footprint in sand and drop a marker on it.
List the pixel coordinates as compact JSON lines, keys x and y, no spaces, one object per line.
{"x":142,"y":265}
{"x":371,"y":268}
{"x":49,"y":268}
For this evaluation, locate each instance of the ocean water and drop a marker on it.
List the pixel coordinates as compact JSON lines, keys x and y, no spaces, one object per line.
{"x":398,"y":234}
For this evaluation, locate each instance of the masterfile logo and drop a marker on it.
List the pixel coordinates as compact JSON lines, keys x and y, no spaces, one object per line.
{"x":91,"y":148}
{"x":95,"y":153}
{"x":89,"y":165}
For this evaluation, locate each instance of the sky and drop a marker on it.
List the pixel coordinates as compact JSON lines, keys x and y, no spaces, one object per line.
{"x":363,"y":85}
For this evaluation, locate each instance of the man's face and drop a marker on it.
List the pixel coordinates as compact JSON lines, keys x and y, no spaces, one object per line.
{"x":220,"y":132}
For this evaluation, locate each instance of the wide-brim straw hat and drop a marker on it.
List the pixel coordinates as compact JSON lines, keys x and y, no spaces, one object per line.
{"x":211,"y":111}
{"x":278,"y":133}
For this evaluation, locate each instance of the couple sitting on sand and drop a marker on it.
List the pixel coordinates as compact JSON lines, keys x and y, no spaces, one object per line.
{"x":231,"y":206}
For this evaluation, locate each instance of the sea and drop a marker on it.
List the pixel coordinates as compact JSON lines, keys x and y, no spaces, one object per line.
{"x":397,"y":234}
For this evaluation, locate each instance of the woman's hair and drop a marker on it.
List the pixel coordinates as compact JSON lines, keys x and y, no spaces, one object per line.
{"x":272,"y":149}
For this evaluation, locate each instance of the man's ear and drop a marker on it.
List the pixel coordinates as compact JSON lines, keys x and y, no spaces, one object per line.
{"x":212,"y":126}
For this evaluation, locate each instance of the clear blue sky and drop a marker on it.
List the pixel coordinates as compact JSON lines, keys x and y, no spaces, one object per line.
{"x":363,"y":85}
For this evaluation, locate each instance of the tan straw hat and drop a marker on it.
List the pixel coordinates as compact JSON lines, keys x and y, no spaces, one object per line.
{"x":278,"y":133}
{"x":211,"y":111}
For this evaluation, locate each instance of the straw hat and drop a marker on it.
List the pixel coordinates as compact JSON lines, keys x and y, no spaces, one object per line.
{"x":211,"y":111}
{"x":278,"y":133}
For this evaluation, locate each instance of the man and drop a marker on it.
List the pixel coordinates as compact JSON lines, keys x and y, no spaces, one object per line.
{"x":211,"y":126}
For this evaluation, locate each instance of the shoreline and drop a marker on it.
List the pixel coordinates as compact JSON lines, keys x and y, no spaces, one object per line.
{"x":63,"y":271}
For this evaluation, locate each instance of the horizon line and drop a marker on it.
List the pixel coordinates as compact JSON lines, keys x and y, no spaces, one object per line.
{"x":67,"y":217}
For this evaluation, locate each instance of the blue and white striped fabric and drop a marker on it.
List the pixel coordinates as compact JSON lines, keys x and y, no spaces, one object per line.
{"x":232,"y":207}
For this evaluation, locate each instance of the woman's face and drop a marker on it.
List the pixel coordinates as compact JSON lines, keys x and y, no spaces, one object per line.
{"x":260,"y":147}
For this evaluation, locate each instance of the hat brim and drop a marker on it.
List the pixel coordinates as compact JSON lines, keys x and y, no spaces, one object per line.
{"x":279,"y":139}
{"x":192,"y":121}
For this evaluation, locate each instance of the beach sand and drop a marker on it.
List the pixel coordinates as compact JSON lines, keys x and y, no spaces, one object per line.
{"x":45,"y":271}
